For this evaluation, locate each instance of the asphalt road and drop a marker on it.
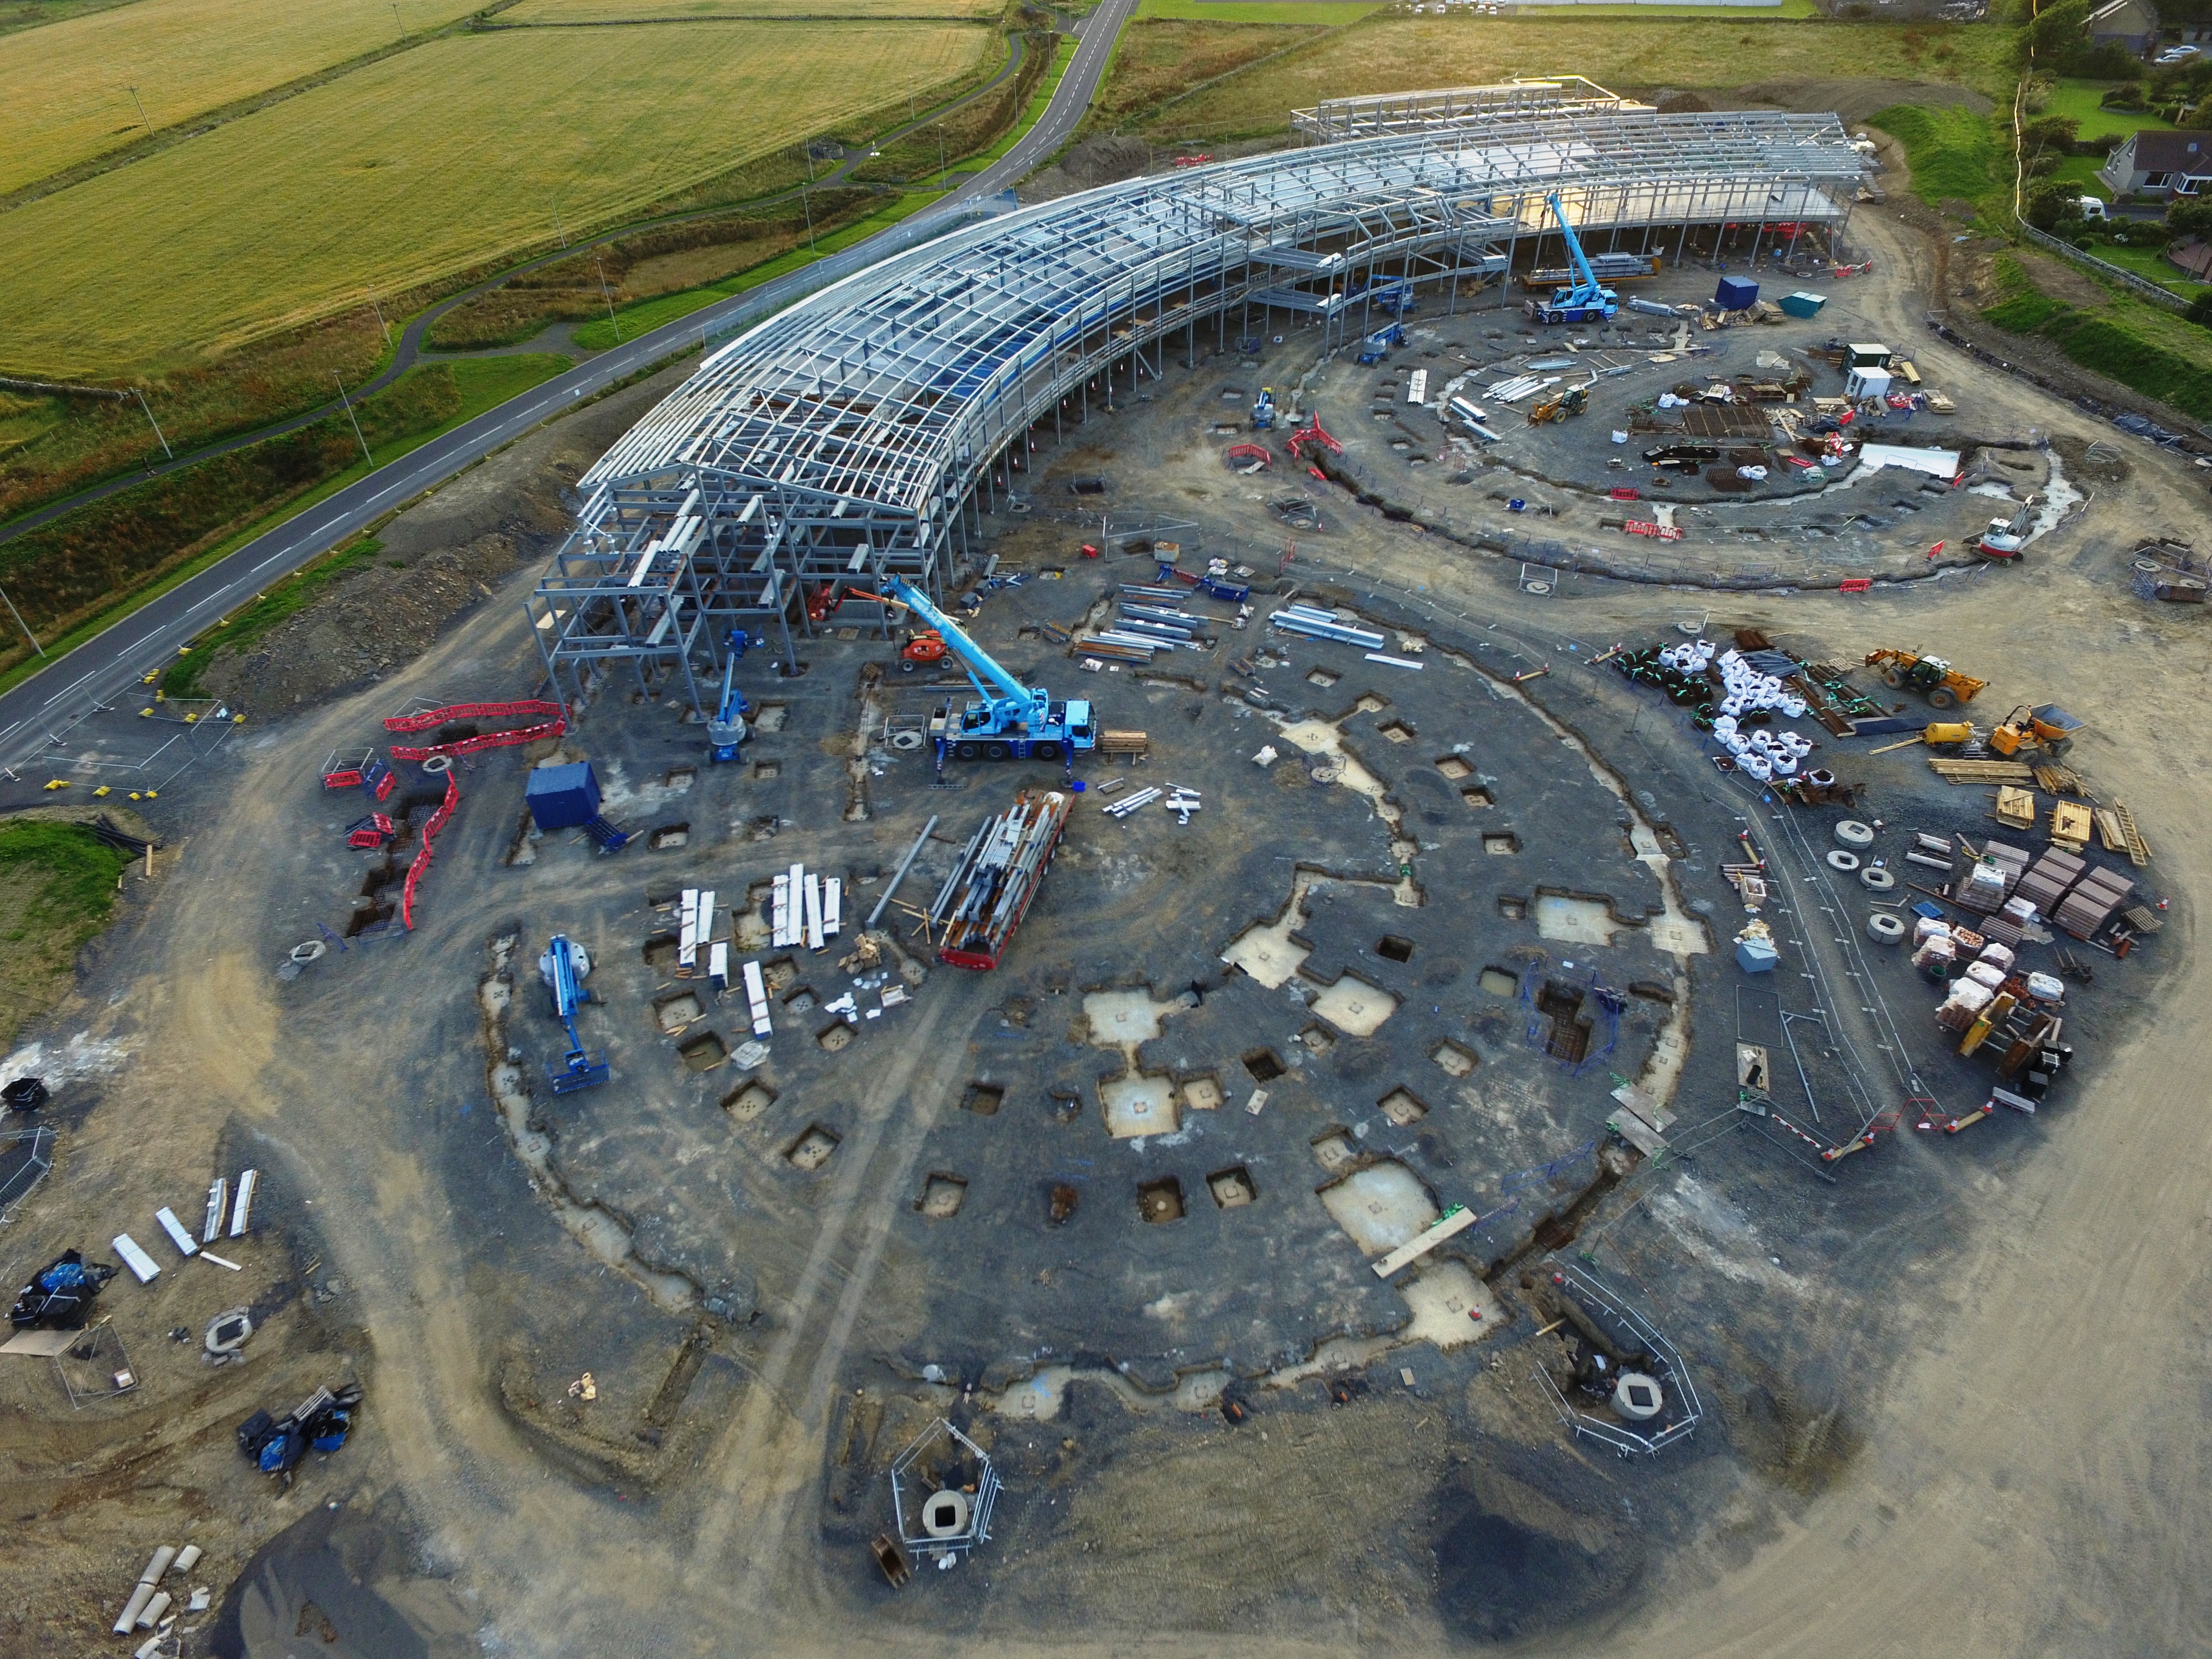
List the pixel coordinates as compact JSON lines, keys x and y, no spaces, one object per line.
{"x":97,"y":671}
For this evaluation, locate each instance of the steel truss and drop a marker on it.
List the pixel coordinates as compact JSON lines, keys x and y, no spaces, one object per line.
{"x":1378,"y":115}
{"x":859,"y":433}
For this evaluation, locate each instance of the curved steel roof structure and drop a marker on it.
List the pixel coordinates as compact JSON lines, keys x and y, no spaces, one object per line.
{"x":847,"y":436}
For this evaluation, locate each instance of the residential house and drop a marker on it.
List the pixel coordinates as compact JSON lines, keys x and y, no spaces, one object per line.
{"x":2160,"y":164}
{"x":2130,"y":24}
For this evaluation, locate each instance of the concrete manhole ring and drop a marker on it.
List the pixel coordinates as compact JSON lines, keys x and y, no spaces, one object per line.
{"x":309,"y":950}
{"x":1535,"y":587}
{"x":906,"y":739}
{"x":1877,"y":880}
{"x":1327,"y":772}
{"x":438,"y":763}
{"x":1843,"y":861}
{"x":1850,"y":833}
{"x":1884,"y":928}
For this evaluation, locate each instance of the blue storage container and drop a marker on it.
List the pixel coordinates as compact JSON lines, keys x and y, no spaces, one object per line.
{"x":563,"y":797}
{"x":1803,"y":303}
{"x":1736,"y":294}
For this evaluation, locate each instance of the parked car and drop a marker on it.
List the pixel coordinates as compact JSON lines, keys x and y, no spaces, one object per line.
{"x":2178,"y":54}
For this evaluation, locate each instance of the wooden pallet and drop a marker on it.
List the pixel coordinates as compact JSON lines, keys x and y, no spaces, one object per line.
{"x":2062,"y":780}
{"x":1981,"y":771}
{"x":1124,"y":742}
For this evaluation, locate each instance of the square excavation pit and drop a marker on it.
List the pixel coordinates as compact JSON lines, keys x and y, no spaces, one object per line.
{"x":1453,"y":767}
{"x":1371,"y":702}
{"x":799,"y":1001}
{"x":1334,"y":1149}
{"x":1140,"y":1106}
{"x":811,"y":1150}
{"x":1391,"y":948}
{"x":1355,"y":1007}
{"x":677,"y":1012}
{"x":1322,"y":677}
{"x":1122,"y":1018}
{"x":1403,"y":1107}
{"x":1499,"y":981}
{"x":1319,"y":1039}
{"x":835,"y":1039}
{"x":1455,"y":1060}
{"x":770,"y":717}
{"x":703,"y":1052}
{"x":1265,"y":951}
{"x":942,"y":1196}
{"x":1574,"y":920}
{"x":1500,"y":843}
{"x":763,"y":770}
{"x":1381,"y":1207}
{"x":660,"y":952}
{"x":1160,"y":1200}
{"x":984,"y":1099}
{"x":1263,"y":1065}
{"x":1396,"y":731}
{"x":680,"y":778}
{"x":668,"y":837}
{"x":1202,"y":1093}
{"x":778,"y":976}
{"x":1444,"y":1298}
{"x":1477,"y":796}
{"x":1232,"y":1189}
{"x":747,"y":1101}
{"x":1512,"y":909}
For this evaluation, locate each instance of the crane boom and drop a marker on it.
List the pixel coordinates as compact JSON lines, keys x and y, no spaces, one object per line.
{"x":1586,"y":283}
{"x":981,"y":665}
{"x":1012,"y":721}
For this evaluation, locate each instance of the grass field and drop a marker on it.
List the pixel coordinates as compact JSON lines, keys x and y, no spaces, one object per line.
{"x":2078,"y":99}
{"x":654,"y":11}
{"x":37,"y":13}
{"x":1955,"y":154}
{"x":66,"y":87}
{"x":424,"y":164}
{"x":1313,"y":14}
{"x":2136,"y":343}
{"x":1395,"y":53}
{"x":57,"y":887}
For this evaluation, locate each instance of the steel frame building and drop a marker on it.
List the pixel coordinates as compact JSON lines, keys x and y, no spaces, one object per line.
{"x":861,"y":433}
{"x":1382,"y":115}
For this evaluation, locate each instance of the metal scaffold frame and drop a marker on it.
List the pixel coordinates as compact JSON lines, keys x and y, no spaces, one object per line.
{"x":1379,"y":114}
{"x":860,"y":433}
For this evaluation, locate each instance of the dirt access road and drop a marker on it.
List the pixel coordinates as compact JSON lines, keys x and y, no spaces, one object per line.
{"x":2030,"y":1481}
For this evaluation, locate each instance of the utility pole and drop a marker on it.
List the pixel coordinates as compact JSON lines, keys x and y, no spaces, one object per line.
{"x":609,"y":297}
{"x":558,"y":225}
{"x":381,"y":323}
{"x":142,"y":111}
{"x":156,"y":424}
{"x":808,"y":205}
{"x":21,"y":624}
{"x":395,"y":18}
{"x":358,"y":439}
{"x":940,"y":159}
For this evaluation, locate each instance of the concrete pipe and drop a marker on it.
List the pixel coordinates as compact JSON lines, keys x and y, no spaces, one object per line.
{"x":1876,"y":879}
{"x":1843,"y":862}
{"x":188,"y":1558}
{"x":437,"y":765}
{"x":906,"y":739}
{"x":150,"y":1614}
{"x":308,"y":950}
{"x":1850,"y":833}
{"x":1883,"y":928}
{"x":944,"y":1514}
{"x":1638,"y":1396}
{"x":140,"y":1596}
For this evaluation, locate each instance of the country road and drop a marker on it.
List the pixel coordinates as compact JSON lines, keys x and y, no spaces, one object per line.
{"x":98,"y":670}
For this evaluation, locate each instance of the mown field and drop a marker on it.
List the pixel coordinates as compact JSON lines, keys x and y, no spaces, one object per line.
{"x":1397,"y":53}
{"x":428,"y":163}
{"x":641,"y":11}
{"x":65,"y":87}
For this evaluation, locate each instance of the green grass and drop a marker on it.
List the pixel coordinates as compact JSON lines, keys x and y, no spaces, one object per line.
{"x":649,"y":315}
{"x":2078,"y":99}
{"x":1789,"y":10}
{"x":2146,"y":261}
{"x":476,"y":384}
{"x":1326,"y":12}
{"x":56,"y":888}
{"x":2136,"y":343}
{"x":241,"y":632}
{"x":1953,"y":153}
{"x":1037,"y":105}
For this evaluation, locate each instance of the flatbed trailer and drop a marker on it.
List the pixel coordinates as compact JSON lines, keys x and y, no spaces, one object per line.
{"x":983,"y":901}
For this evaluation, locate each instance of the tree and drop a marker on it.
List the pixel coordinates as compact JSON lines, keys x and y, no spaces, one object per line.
{"x":2191,"y":218}
{"x":2051,"y":200}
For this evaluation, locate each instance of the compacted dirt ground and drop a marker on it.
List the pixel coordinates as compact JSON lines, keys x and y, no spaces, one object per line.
{"x":2016,"y":1467}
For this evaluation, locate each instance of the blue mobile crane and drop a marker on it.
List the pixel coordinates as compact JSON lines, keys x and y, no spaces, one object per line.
{"x":1010,"y":721}
{"x":1586,"y":301}
{"x":562,"y":967}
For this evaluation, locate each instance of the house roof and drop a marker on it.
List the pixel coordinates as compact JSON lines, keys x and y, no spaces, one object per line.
{"x":2173,"y":152}
{"x":2141,"y":12}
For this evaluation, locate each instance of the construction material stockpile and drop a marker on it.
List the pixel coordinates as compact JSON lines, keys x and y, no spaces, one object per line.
{"x":975,"y":913}
{"x":1151,"y":619}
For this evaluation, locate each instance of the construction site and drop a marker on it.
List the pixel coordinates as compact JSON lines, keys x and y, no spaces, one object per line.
{"x":1404,"y":894}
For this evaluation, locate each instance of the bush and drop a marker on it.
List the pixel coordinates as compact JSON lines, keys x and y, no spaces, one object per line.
{"x":2200,"y":308}
{"x":2051,"y":200}
{"x":2190,"y":218}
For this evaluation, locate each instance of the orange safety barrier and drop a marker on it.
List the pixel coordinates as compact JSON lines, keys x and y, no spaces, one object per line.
{"x":436,"y":821}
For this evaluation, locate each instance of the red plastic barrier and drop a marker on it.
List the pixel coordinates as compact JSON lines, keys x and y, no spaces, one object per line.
{"x":1854,"y":584}
{"x":436,"y":821}
{"x":550,"y":719}
{"x":432,"y":718}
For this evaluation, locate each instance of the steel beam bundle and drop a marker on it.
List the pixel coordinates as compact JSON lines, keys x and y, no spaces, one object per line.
{"x":984,"y":899}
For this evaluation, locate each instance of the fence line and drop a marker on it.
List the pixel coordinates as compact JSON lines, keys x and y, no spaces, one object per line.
{"x":2142,"y":285}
